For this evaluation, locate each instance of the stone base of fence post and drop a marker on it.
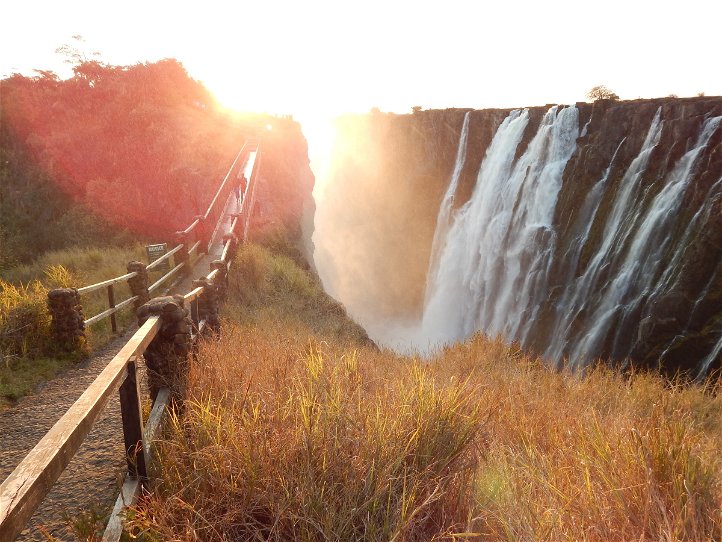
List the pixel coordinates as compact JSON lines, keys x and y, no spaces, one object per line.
{"x":209,"y":303}
{"x":167,"y":355}
{"x":139,"y":283}
{"x":68,"y":323}
{"x":221,"y":279}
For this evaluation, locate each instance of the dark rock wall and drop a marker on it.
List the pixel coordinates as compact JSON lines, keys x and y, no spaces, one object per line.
{"x":285,"y":188}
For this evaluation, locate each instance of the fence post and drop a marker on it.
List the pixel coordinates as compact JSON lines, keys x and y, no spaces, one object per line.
{"x":166,"y":356}
{"x":139,"y":283}
{"x":132,"y":415}
{"x":220,"y":281}
{"x":182,"y":256}
{"x":203,"y":235}
{"x":111,"y":305}
{"x":66,"y":312}
{"x":208,"y":303}
{"x":231,"y":238}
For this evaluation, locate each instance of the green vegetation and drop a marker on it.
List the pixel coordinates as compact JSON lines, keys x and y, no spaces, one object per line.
{"x":130,"y":148}
{"x":90,"y":166}
{"x":297,"y":428}
{"x":26,"y":347}
{"x":36,"y":216}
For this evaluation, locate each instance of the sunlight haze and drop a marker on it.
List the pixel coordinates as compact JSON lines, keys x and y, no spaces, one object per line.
{"x":319,"y":59}
{"x":324,"y":58}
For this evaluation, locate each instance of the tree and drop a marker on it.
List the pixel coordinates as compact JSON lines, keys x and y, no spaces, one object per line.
{"x":601,"y":92}
{"x":78,"y":53}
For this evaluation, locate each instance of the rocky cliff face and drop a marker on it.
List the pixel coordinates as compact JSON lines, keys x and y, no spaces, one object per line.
{"x":285,"y":191}
{"x":629,"y":161}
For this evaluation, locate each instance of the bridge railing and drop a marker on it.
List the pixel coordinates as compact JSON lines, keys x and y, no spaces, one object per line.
{"x":26,"y":487}
{"x":193,"y":241}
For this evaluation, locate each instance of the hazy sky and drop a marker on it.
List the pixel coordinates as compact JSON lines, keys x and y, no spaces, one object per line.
{"x":307,"y":56}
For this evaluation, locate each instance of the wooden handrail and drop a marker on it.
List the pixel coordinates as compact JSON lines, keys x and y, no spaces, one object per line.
{"x":192,"y":226}
{"x":112,"y":310}
{"x":193,"y":294}
{"x":194,"y":247}
{"x":99,"y":285}
{"x":225,"y":180}
{"x":26,"y":487}
{"x":165,"y":277}
{"x":23,"y":491}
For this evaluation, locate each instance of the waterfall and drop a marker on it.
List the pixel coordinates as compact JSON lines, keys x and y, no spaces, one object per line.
{"x":443,"y":221}
{"x":616,"y":230}
{"x":492,"y":258}
{"x":493,"y":266}
{"x":625,"y":290}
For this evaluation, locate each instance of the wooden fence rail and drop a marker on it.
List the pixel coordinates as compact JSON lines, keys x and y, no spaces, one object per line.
{"x":23,"y":491}
{"x":215,"y":210}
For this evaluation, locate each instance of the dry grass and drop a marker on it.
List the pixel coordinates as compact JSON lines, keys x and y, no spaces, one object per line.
{"x":27,"y":353}
{"x":298,"y":431}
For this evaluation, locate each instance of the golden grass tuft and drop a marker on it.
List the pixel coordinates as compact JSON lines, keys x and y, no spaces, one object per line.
{"x":27,"y":353}
{"x":295,"y":428}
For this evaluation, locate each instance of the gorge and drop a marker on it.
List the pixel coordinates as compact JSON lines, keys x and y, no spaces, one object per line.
{"x":582,"y":232}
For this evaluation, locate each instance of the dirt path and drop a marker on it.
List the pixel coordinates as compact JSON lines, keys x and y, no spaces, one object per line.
{"x":91,"y":479}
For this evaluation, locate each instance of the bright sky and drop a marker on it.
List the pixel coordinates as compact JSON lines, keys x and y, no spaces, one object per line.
{"x":299,"y":57}
{"x":315,"y":58}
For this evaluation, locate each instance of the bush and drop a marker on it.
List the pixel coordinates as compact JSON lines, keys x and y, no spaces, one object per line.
{"x":24,"y":319}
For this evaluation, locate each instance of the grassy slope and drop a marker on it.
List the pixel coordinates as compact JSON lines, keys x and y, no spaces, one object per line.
{"x":295,"y":428}
{"x":27,"y":358}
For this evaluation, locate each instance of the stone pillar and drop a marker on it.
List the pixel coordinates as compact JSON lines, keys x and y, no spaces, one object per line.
{"x":209,"y":303}
{"x":139,"y":283}
{"x":221,"y":279}
{"x":67,"y":316}
{"x":167,"y":355}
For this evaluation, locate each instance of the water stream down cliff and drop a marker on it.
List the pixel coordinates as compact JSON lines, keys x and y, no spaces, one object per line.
{"x":584,"y":232}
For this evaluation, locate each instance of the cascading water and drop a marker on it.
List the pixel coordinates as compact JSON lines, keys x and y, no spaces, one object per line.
{"x":493,"y":256}
{"x":493,"y":264}
{"x":634,"y":278}
{"x":443,"y":222}
{"x":616,"y":230}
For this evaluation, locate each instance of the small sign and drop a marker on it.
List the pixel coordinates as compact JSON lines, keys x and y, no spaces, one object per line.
{"x":156,"y":251}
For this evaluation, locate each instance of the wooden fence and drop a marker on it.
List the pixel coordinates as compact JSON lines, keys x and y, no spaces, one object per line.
{"x":23,"y":491}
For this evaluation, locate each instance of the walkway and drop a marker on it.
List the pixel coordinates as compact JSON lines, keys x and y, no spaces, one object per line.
{"x":93,"y":477}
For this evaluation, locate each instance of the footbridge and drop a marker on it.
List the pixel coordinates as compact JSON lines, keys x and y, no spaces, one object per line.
{"x":169,"y":328}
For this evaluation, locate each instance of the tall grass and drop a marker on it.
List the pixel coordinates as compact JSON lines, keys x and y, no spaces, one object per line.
{"x":26,"y":345}
{"x":295,"y":428}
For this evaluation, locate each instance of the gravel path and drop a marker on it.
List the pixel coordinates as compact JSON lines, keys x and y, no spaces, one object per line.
{"x":91,"y":480}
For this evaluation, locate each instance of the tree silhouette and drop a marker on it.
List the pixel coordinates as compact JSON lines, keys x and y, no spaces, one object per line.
{"x":601,"y":92}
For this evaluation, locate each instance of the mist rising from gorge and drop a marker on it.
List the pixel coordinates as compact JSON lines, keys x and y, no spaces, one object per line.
{"x":375,"y":219}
